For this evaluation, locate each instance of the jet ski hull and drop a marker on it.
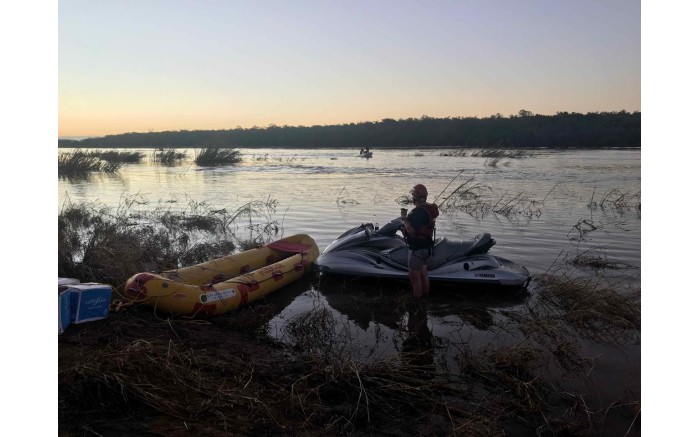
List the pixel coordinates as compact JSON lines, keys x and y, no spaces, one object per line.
{"x":373,"y":253}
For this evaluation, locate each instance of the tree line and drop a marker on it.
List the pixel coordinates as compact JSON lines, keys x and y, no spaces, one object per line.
{"x":524,"y":130}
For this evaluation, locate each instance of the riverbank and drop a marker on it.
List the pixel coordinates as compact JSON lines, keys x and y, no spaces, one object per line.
{"x":142,"y":373}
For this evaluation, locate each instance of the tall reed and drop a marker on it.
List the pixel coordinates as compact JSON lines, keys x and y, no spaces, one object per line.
{"x":211,"y":156}
{"x":79,"y":164}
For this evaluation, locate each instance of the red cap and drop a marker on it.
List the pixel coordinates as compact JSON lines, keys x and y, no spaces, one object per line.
{"x":419,"y":191}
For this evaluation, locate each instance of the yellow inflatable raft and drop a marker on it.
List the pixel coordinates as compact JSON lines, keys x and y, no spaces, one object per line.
{"x":221,"y":285}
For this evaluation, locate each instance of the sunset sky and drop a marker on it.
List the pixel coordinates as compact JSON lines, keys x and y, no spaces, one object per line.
{"x":139,"y":66}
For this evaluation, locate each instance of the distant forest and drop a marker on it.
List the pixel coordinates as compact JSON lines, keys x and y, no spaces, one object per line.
{"x":525,"y":130}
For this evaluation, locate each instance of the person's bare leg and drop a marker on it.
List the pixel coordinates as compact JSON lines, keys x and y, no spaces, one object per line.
{"x":416,"y":282}
{"x":425,"y":281}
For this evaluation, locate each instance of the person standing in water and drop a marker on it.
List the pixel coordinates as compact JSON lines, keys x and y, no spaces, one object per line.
{"x":419,"y":228}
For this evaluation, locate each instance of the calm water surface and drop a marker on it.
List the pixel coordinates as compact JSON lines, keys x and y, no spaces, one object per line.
{"x":324,"y":192}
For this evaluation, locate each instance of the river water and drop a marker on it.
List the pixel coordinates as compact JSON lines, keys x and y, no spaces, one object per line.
{"x":324,"y":192}
{"x":561,"y":207}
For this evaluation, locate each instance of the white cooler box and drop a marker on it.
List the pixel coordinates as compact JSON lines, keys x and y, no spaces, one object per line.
{"x":64,"y":302}
{"x":89,"y":301}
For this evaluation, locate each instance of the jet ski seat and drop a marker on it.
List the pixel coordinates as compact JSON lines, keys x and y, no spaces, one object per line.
{"x":445,"y":251}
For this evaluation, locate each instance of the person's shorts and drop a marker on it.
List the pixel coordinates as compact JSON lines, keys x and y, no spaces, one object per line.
{"x":418,"y":258}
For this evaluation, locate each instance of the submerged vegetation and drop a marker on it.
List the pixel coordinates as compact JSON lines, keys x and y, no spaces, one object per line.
{"x":477,"y":199}
{"x":168,"y":157}
{"x":217,"y":156}
{"x":117,"y":156}
{"x":488,"y":153}
{"x":80,"y":164}
{"x":617,"y":200}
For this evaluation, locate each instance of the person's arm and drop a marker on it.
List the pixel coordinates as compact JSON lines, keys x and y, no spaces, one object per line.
{"x":417,"y":217}
{"x":407,"y":226}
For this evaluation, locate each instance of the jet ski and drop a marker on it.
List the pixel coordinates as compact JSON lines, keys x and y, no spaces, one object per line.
{"x":368,"y":251}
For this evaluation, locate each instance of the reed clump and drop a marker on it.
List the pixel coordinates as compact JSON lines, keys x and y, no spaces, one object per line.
{"x":212,"y":156}
{"x":117,"y":156}
{"x":168,"y":157}
{"x":474,"y":198}
{"x":617,"y":200}
{"x":500,"y":154}
{"x":487,"y":153}
{"x":81,"y":164}
{"x":596,"y":261}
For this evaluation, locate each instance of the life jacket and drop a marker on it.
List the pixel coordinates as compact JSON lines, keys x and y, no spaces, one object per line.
{"x":423,"y":236}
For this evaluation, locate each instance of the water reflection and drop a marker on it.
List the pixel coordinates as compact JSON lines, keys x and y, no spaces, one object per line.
{"x":375,"y":306}
{"x":417,"y":351}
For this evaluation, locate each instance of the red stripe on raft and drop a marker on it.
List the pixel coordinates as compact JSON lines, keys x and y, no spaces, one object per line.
{"x":243,"y":289}
{"x":137,"y":287}
{"x":288,"y":246}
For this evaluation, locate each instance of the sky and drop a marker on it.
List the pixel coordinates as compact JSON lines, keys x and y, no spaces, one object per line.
{"x":140,"y":66}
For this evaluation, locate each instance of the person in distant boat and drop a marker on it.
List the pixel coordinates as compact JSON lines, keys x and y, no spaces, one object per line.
{"x":419,"y":229}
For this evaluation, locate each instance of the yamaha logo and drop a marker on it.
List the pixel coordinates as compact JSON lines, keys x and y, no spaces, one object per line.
{"x":484,"y":275}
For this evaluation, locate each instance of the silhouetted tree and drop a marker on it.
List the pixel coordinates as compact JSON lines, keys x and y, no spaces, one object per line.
{"x":525,"y":130}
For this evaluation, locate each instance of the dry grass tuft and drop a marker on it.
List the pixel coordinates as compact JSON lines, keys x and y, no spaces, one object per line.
{"x":593,"y":309}
{"x":100,"y":244}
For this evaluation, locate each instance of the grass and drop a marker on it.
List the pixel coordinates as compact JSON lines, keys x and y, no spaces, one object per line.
{"x":617,"y":200}
{"x":487,"y":153}
{"x":596,"y":261}
{"x":168,"y":157}
{"x":500,"y":154}
{"x":81,"y":164}
{"x":109,"y":245}
{"x":593,"y":309}
{"x":212,"y":156}
{"x":116,"y":156}
{"x":222,"y":375}
{"x":343,"y":200}
{"x":477,"y":199}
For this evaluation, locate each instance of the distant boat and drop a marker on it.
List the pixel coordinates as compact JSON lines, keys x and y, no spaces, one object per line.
{"x":365,"y":153}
